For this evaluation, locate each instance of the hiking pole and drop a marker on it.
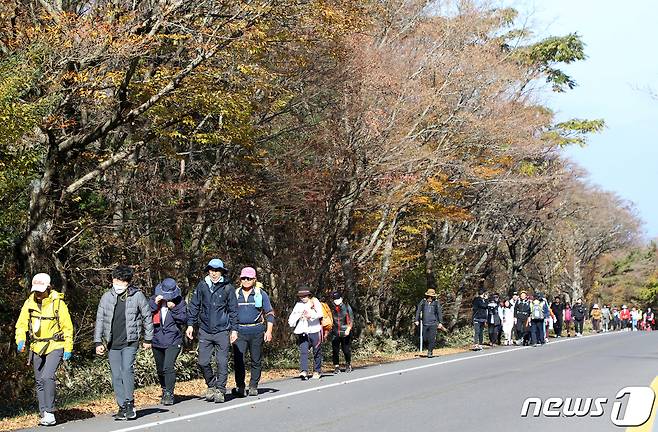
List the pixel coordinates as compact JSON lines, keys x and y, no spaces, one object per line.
{"x":420,"y":324}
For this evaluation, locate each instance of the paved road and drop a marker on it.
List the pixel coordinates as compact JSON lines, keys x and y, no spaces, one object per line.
{"x":465,"y":392}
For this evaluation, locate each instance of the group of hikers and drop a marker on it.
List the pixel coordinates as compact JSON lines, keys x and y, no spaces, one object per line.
{"x":525,"y":320}
{"x":226,"y":318}
{"x":240,"y":319}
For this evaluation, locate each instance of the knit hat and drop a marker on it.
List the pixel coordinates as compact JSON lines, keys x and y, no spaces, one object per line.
{"x":40,"y":282}
{"x":168,"y":289}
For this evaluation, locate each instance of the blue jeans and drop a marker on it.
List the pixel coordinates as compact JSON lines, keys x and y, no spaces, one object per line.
{"x":122,"y":364}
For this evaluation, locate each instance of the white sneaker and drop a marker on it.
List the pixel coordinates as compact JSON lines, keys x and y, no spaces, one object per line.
{"x":48,"y":419}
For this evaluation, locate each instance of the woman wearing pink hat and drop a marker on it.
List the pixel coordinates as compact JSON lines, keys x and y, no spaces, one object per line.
{"x":255,"y":323}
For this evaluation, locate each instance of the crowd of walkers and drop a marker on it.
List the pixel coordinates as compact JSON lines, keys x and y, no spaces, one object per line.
{"x":528,"y":320}
{"x":227,"y":319}
{"x":231,"y":319}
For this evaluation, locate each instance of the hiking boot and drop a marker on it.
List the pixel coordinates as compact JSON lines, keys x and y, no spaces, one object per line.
{"x":131,"y":413}
{"x":303,"y":375}
{"x":336,"y":370}
{"x":48,"y":419}
{"x":430,"y":354}
{"x":253,"y":391}
{"x":168,"y":399}
{"x":162,"y":397}
{"x":316,"y":376}
{"x":210,"y":394}
{"x":238,"y":392}
{"x":219,"y":396}
{"x":348,"y":368}
{"x":121,"y":414}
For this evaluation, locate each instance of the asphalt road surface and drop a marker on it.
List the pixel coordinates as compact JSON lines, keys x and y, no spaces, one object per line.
{"x":481,"y":391}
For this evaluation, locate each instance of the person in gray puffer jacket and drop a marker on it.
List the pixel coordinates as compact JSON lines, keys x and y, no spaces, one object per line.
{"x":123,"y":313}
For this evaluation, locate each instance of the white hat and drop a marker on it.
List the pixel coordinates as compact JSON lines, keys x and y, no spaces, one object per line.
{"x":595,"y":306}
{"x":40,"y":282}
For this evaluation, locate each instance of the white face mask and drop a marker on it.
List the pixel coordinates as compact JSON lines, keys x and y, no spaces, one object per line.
{"x":120,"y":289}
{"x":338,"y":302}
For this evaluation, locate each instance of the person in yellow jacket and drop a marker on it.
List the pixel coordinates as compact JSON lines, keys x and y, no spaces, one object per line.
{"x":46,"y":321}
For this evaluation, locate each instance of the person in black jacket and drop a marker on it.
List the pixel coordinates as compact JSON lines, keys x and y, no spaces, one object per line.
{"x":494,"y":323}
{"x":169,"y":313}
{"x":341,"y":332}
{"x":429,"y":314}
{"x":214,"y":308}
{"x":480,"y":313}
{"x":558,"y":310}
{"x":578,"y":314}
{"x":521,"y":314}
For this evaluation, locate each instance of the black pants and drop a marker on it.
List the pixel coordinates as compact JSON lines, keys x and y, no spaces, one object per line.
{"x":578,"y":326}
{"x":478,"y":336}
{"x":557,"y":326}
{"x":429,"y":336}
{"x":253,"y":343}
{"x":344,"y":343}
{"x":537,"y":331}
{"x":494,"y":333}
{"x":165,"y":362}
{"x":522,"y":330}
{"x":218,"y":344}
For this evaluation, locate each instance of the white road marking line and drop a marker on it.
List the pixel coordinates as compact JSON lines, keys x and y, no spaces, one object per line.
{"x":327,"y":386}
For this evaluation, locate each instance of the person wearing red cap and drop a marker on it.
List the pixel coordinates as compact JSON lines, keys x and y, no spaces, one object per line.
{"x":46,"y":318}
{"x":255,"y":324}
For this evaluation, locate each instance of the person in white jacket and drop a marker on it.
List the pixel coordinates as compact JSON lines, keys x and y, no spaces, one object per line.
{"x":305,"y":319}
{"x":506,"y":313}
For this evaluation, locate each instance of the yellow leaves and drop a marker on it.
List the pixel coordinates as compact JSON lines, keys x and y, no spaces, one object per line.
{"x":487,"y":172}
{"x":410,"y":230}
{"x":437,"y":184}
{"x":234,"y":187}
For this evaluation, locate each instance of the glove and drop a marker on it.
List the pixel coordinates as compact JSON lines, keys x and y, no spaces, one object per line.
{"x":21,"y":346}
{"x":67,"y":356}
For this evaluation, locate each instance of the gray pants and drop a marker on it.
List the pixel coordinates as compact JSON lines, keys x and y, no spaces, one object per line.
{"x":44,"y":376}
{"x":217,"y":343}
{"x":122,"y":364}
{"x":478,"y":332}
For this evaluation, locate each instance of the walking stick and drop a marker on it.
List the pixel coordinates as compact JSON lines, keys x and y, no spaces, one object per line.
{"x":420,"y":324}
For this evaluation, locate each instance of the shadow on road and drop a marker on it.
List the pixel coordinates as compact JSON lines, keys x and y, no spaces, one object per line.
{"x":150,"y":411}
{"x":73,"y":414}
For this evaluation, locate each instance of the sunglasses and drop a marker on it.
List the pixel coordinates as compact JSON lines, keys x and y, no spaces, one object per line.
{"x":247,"y":278}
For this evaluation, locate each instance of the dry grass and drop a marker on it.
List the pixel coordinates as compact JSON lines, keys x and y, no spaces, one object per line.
{"x":150,"y":396}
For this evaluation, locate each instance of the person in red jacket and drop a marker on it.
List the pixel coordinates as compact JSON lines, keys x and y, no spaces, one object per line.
{"x":625,"y":316}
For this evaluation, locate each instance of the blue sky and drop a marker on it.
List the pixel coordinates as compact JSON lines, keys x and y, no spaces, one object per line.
{"x":613,"y":83}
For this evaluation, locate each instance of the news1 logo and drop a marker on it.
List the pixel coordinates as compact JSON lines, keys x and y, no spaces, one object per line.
{"x":637,"y":407}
